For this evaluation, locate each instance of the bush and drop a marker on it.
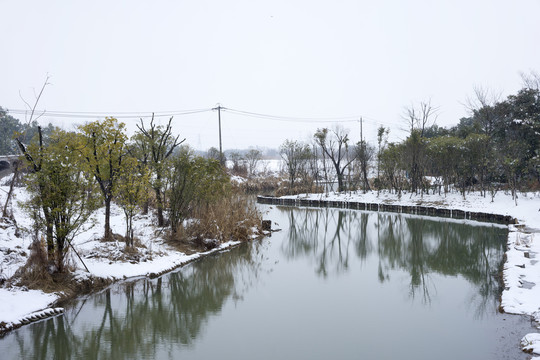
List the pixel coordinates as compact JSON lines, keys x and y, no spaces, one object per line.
{"x":230,"y":219}
{"x":194,"y":182}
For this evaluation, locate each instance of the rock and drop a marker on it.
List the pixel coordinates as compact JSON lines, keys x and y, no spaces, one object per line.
{"x":267,"y":225}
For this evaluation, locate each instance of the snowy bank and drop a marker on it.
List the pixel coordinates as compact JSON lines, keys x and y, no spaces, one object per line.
{"x":19,"y":305}
{"x":526,"y":211}
{"x":104,"y":260}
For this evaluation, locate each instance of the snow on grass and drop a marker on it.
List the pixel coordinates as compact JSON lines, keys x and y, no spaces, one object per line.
{"x":531,"y":343}
{"x":17,"y":303}
{"x":527,"y":210}
{"x":103,"y":259}
{"x":264,"y":169}
{"x":238,"y":179}
{"x":270,"y":166}
{"x":522,"y":273}
{"x":13,"y":250}
{"x":162,"y":263}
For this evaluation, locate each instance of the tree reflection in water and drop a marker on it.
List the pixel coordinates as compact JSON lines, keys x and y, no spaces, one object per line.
{"x":327,"y":235}
{"x":418,"y":245}
{"x":152,"y":313}
{"x":157,"y":318}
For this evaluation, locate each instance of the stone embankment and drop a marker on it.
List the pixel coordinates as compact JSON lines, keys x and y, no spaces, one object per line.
{"x":407,"y":209}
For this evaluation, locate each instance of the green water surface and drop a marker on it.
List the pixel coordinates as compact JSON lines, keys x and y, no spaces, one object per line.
{"x":333,"y":283}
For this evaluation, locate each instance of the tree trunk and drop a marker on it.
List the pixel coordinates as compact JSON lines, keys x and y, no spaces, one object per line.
{"x":146,"y":207}
{"x":341,"y":186}
{"x":107,"y":218}
{"x":11,"y":186}
{"x":366,"y":182}
{"x":129,"y":230}
{"x":50,"y":242}
{"x":159,"y":200}
{"x":126,"y":213}
{"x":60,"y":255}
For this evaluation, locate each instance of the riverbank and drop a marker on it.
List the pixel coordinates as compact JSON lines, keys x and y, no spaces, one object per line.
{"x":521,"y":272}
{"x":102,"y":262}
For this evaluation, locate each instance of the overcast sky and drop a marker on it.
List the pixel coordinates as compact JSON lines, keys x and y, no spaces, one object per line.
{"x":301,"y":59}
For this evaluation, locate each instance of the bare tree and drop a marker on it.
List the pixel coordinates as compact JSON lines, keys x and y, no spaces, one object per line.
{"x":531,"y":80}
{"x":253,"y":157}
{"x":161,"y":144}
{"x":238,"y":166}
{"x":335,"y":144}
{"x":314,"y":170}
{"x":30,"y":118}
{"x":481,"y":105}
{"x":214,"y":153}
{"x":296,"y":156}
{"x":36,"y":163}
{"x":420,"y":117}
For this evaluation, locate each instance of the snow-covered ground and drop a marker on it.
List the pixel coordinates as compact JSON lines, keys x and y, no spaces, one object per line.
{"x":264,"y":166}
{"x":527,"y":210}
{"x":103,"y":259}
{"x":521,"y":269}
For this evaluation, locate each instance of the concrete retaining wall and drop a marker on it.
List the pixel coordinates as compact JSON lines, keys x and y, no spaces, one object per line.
{"x":407,"y":209}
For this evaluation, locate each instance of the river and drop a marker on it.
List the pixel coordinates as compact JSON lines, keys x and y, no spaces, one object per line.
{"x":332,"y":283}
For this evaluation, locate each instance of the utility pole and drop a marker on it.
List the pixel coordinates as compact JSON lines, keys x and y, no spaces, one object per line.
{"x":363,"y":155}
{"x":361,"y":138}
{"x":221,"y":159}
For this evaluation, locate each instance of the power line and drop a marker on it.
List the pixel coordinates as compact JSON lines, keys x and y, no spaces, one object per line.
{"x":291,"y":118}
{"x":342,"y":119}
{"x":158,"y":114}
{"x":119,"y":112}
{"x":118,"y":115}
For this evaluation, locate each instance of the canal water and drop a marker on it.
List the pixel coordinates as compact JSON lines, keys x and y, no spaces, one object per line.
{"x":332,"y":283}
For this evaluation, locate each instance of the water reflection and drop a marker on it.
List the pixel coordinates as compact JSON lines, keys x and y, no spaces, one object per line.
{"x":419,"y":246}
{"x":134,"y":319}
{"x":177,"y":315}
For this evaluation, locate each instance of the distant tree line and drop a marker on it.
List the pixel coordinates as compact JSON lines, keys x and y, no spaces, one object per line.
{"x":11,"y":127}
{"x":496,"y":147}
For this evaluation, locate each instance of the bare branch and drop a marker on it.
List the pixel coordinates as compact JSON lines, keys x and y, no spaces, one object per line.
{"x":531,"y":80}
{"x":483,"y":97}
{"x":420,"y":117}
{"x":37,"y":99}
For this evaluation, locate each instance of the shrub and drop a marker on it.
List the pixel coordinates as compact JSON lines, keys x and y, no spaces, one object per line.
{"x":230,"y":218}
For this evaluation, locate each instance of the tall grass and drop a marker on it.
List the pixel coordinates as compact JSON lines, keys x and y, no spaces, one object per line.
{"x":233,"y":218}
{"x":35,"y":273}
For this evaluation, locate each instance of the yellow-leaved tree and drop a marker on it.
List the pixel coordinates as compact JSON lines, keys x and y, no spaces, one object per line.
{"x":104,"y":149}
{"x":62,"y":196}
{"x":131,"y":192}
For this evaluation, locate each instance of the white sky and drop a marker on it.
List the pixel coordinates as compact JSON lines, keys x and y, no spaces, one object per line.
{"x":281,"y":57}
